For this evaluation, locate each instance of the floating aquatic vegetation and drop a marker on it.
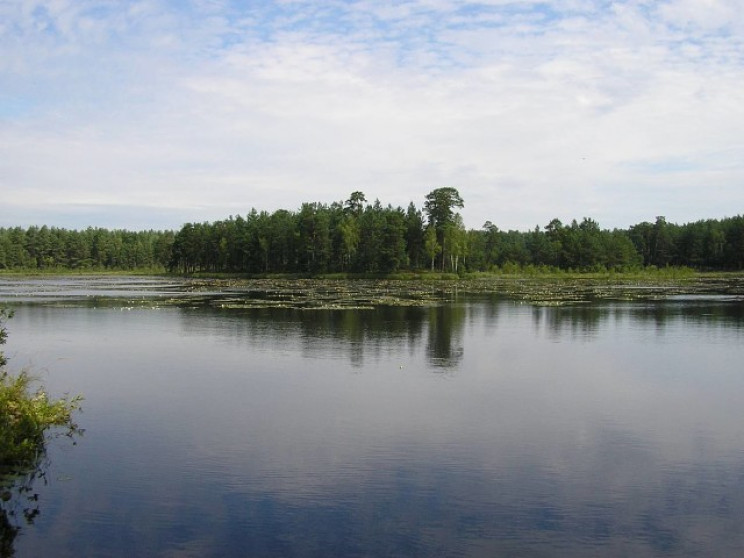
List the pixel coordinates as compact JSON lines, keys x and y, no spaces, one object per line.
{"x":360,"y":294}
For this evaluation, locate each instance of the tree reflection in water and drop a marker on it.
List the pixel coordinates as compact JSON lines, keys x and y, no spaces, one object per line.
{"x":444,"y":344}
{"x":19,"y":502}
{"x":19,"y":499}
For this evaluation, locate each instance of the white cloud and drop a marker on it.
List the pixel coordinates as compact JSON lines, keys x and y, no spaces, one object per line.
{"x":531,"y":111}
{"x":704,"y":15}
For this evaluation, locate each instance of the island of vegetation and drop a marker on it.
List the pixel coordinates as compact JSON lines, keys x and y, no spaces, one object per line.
{"x":356,"y":237}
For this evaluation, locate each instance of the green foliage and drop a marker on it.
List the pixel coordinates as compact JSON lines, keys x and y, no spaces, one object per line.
{"x":357,"y":237}
{"x":431,"y":246}
{"x":440,"y":207}
{"x":317,"y":240}
{"x":26,"y":414}
{"x":440,"y":204}
{"x":53,"y":249}
{"x":346,"y":237}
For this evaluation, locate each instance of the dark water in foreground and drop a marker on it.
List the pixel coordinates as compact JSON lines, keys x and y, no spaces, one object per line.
{"x":481,"y":427}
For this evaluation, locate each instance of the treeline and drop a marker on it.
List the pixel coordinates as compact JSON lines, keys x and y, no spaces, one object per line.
{"x":316,"y":239}
{"x":706,"y":245}
{"x":40,"y":248}
{"x":358,"y":237}
{"x":354,"y":236}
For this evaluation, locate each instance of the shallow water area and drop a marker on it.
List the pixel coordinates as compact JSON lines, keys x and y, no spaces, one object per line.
{"x":472,"y":424}
{"x":82,"y":287}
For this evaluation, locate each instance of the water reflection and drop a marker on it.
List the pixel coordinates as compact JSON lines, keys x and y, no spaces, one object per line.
{"x":577,"y":322}
{"x":556,"y":431}
{"x":728,"y":313}
{"x":19,"y":501}
{"x":444,"y":342}
{"x":359,"y":334}
{"x":356,"y":334}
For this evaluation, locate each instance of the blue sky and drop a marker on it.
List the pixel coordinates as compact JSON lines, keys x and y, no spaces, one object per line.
{"x":152,"y":113}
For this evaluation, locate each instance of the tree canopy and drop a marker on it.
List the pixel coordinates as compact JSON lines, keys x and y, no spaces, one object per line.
{"x":356,"y":236}
{"x":440,"y":205}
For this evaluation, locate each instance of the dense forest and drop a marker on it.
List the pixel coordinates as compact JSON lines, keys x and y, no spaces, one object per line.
{"x":93,"y":248}
{"x":355,"y":236}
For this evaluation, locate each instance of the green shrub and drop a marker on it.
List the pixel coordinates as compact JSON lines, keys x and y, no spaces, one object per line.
{"x":26,"y":414}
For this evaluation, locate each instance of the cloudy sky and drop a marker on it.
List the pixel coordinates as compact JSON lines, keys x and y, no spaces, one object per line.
{"x":152,"y":113}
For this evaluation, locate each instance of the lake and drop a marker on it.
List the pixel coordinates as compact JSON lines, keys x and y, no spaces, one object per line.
{"x":476,"y":425}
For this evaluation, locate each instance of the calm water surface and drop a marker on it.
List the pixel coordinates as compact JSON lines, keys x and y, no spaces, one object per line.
{"x":479,"y":427}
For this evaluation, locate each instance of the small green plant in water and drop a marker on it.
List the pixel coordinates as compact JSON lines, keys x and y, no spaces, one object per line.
{"x":27,"y":415}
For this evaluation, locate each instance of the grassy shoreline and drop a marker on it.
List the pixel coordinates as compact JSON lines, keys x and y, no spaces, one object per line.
{"x":508,"y":272}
